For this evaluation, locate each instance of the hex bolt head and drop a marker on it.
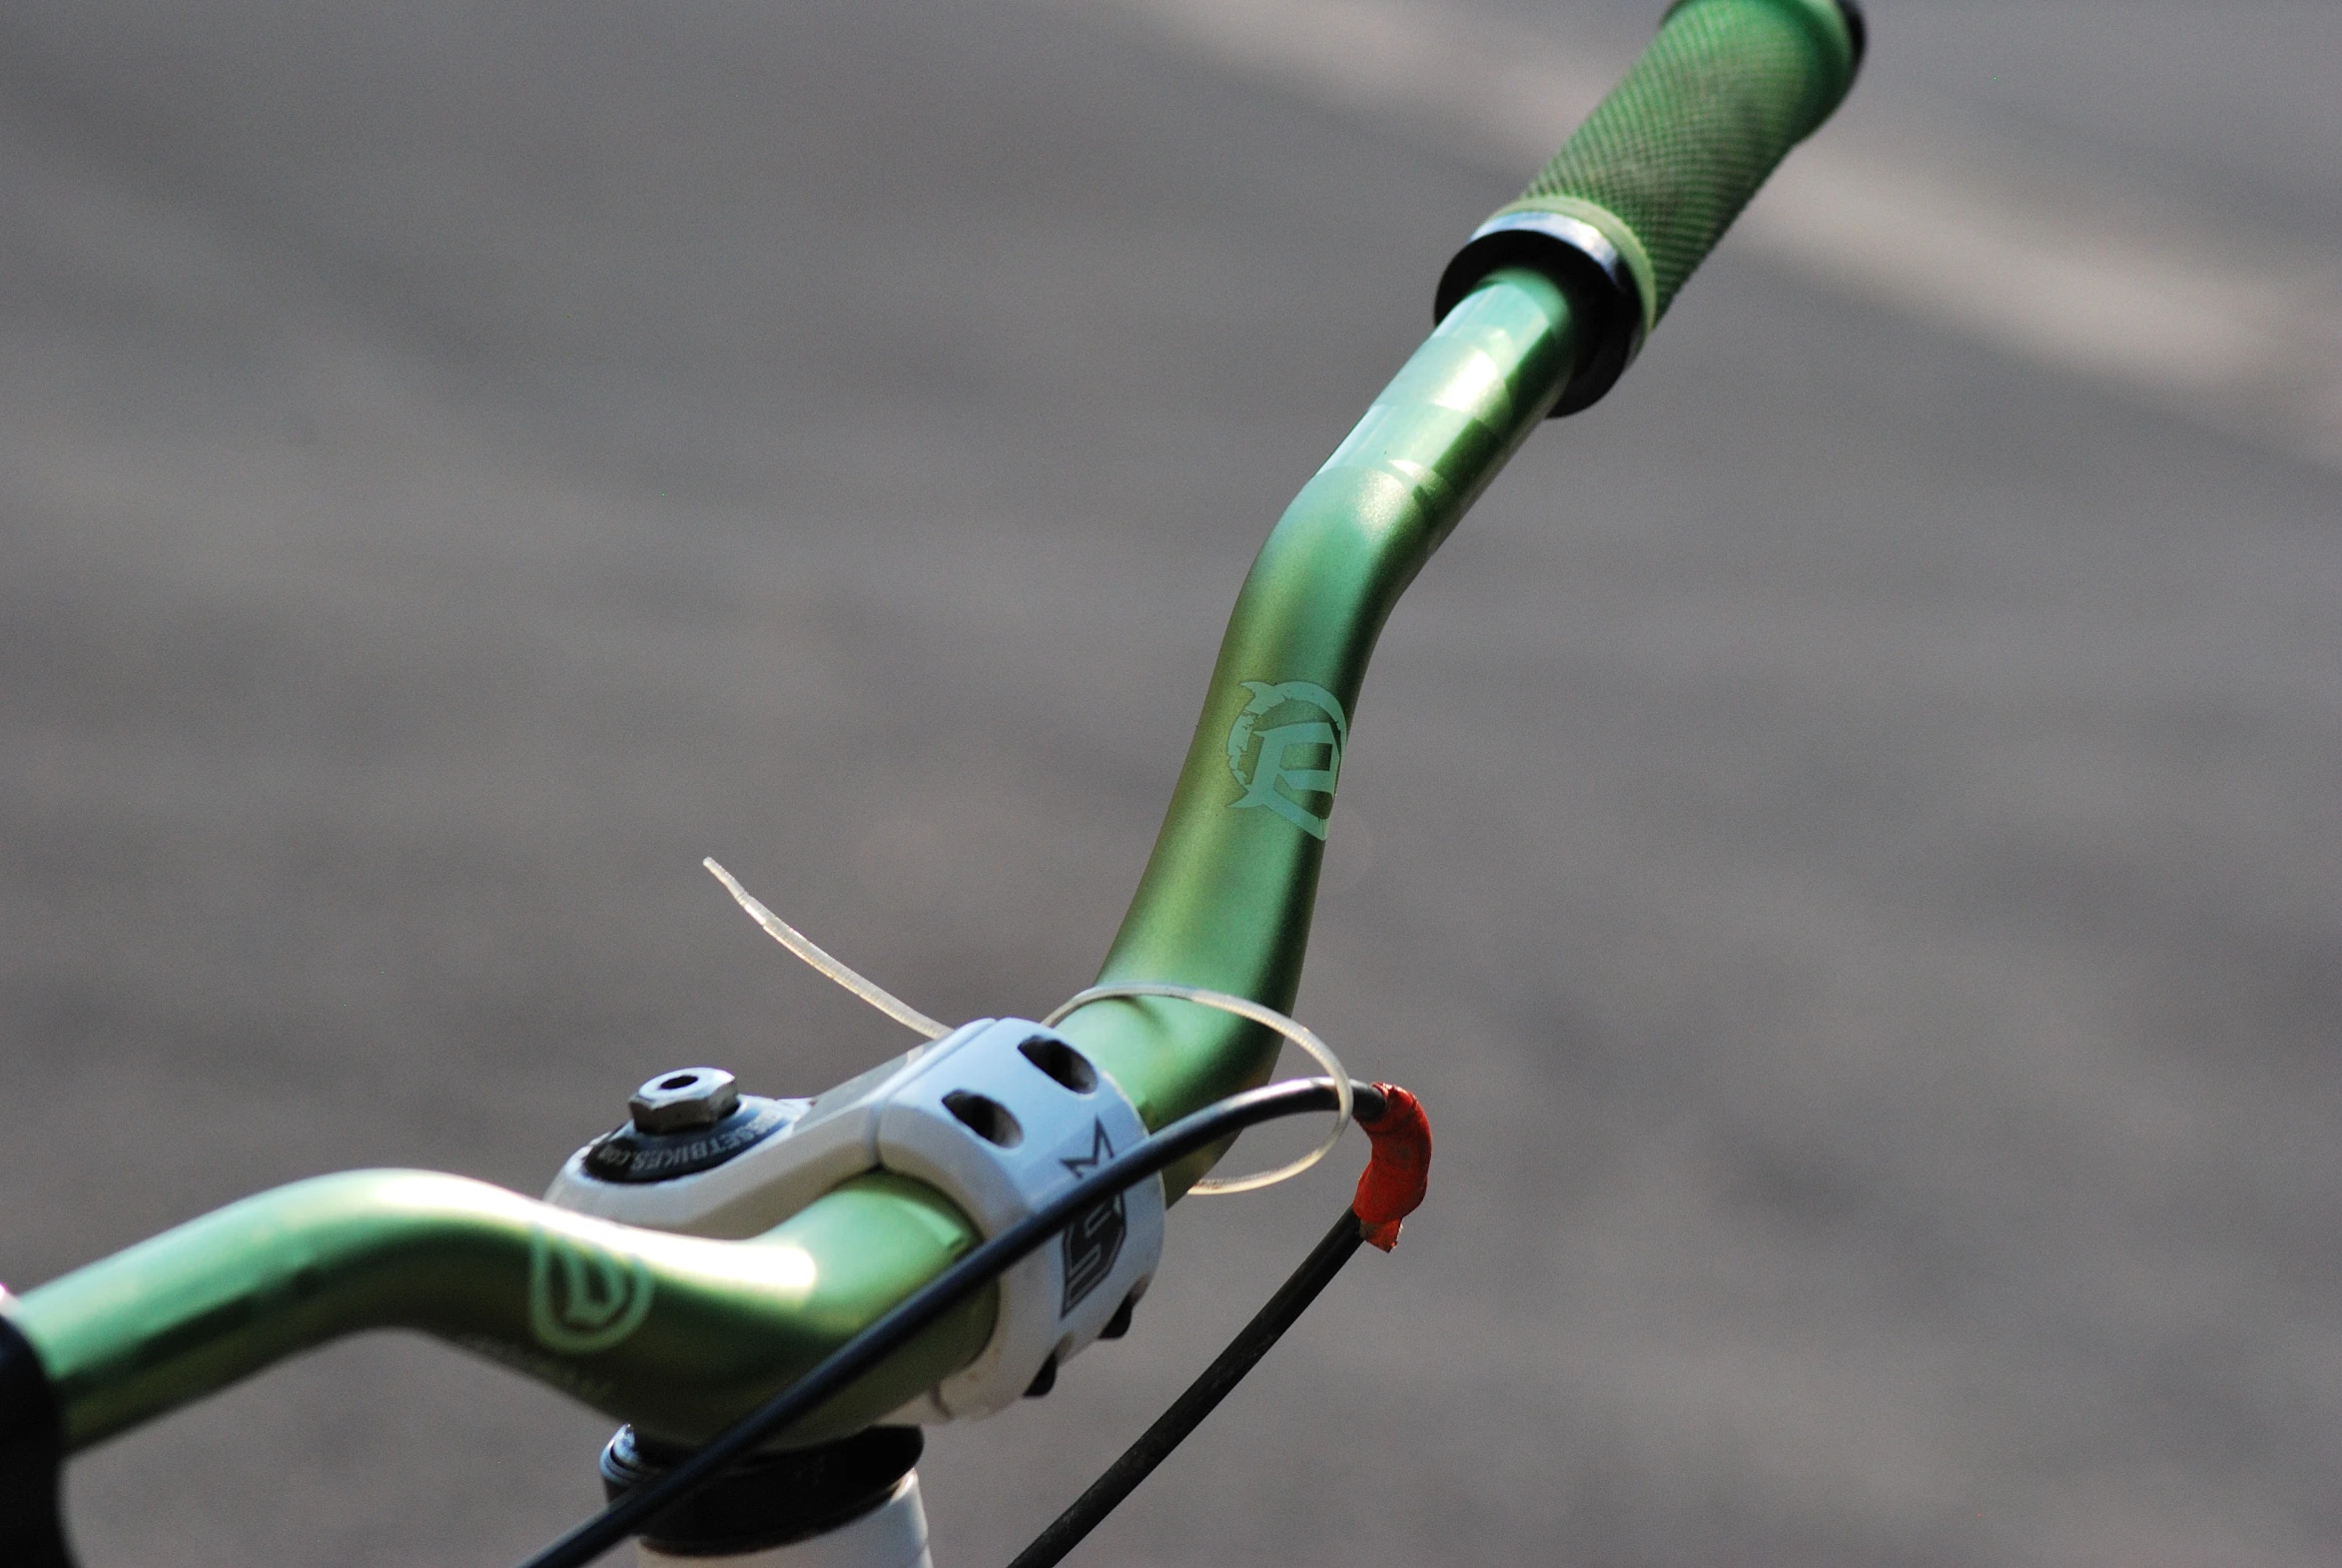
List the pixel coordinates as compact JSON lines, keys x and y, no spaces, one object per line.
{"x":684,"y":1101}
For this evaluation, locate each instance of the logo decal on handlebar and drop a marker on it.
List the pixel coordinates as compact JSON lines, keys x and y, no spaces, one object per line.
{"x":1093,"y":1239}
{"x":1279,"y":765}
{"x":582,"y":1296}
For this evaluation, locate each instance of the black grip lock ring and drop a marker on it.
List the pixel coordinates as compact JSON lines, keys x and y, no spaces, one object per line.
{"x":32,"y":1453}
{"x":1584,"y":266}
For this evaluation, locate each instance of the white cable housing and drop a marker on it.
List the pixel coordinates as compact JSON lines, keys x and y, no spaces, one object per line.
{"x":999,"y":1115}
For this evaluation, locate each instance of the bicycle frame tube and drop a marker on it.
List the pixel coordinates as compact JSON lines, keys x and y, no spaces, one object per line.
{"x":681,"y":1336}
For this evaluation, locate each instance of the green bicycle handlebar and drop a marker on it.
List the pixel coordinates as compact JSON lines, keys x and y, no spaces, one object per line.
{"x":1641,"y":191}
{"x":1527,"y":328}
{"x":676,"y":1334}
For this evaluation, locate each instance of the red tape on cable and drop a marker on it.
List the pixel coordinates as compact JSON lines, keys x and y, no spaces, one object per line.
{"x":1399,"y":1169}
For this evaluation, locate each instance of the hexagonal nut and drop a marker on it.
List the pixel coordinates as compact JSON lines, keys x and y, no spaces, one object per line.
{"x":685,"y":1099}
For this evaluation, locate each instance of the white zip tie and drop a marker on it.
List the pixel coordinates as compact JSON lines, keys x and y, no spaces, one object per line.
{"x":904,"y":1013}
{"x":1267,"y":1017}
{"x":797,"y":942}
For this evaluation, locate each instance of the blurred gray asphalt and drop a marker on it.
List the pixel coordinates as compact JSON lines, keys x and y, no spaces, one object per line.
{"x":1846,"y":839}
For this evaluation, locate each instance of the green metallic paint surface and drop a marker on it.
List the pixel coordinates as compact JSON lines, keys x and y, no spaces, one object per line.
{"x":677,"y":1334}
{"x":1228,"y":895}
{"x":681,"y":1335}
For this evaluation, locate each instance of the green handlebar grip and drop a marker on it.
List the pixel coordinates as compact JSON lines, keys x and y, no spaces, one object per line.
{"x":1643,"y":190}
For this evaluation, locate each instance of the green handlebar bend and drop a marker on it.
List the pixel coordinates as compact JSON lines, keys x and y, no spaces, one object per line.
{"x":681,"y":1336}
{"x":678,"y":1334}
{"x":1228,"y":894}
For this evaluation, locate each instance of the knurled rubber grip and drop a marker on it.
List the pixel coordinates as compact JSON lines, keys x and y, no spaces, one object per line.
{"x":1645,"y":186}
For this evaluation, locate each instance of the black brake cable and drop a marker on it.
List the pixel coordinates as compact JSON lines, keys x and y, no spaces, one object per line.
{"x":923,"y":1307}
{"x":1203,"y":1397}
